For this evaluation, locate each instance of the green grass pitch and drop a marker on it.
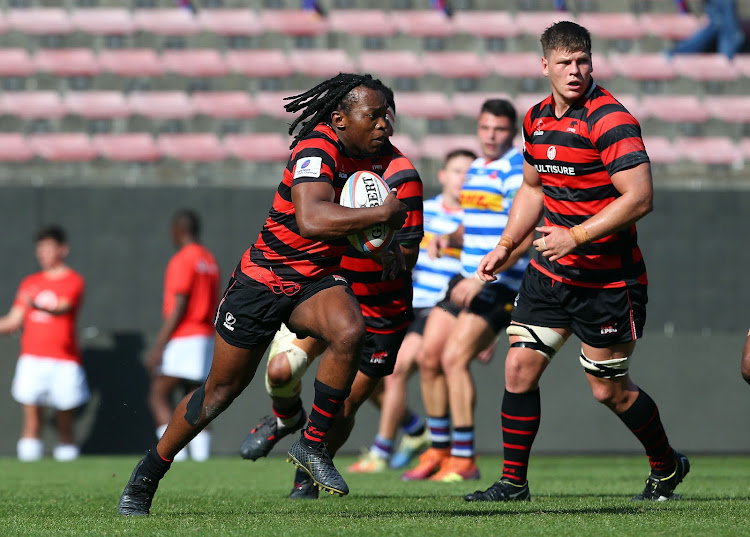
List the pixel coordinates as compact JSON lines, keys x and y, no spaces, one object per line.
{"x":575,"y":495}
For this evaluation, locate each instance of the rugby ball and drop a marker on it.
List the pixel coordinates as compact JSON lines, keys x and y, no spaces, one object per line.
{"x":367,"y":189}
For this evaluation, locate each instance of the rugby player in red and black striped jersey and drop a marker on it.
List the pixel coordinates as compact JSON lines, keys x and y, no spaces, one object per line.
{"x":587,"y":173}
{"x":385,"y":301}
{"x":292,"y":275}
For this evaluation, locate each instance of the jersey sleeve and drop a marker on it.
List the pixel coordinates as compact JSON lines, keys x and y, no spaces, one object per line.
{"x":179,"y":276}
{"x":313,"y":161}
{"x":402,"y":176}
{"x":23,"y":293}
{"x":617,"y":136}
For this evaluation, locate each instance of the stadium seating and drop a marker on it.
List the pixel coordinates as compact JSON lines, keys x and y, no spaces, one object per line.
{"x":424,"y":23}
{"x":428,"y":105}
{"x":647,"y":66}
{"x":97,"y":104}
{"x":486,"y":24}
{"x":293,"y":22}
{"x":192,"y":147}
{"x":322,"y":63}
{"x":260,"y":63}
{"x":533,"y":23}
{"x":728,"y":108}
{"x":230,"y":22}
{"x":175,"y":21}
{"x":127,"y":147}
{"x":261,"y":147}
{"x":224,"y":104}
{"x":613,"y":25}
{"x":63,"y":147}
{"x":362,"y":22}
{"x":40,"y":21}
{"x":67,"y":61}
{"x":661,"y":150}
{"x":392,"y":63}
{"x":16,"y":62}
{"x":468,"y":103}
{"x":436,"y":146}
{"x":675,"y":108}
{"x":455,"y":64}
{"x":131,"y":62}
{"x":407,"y":146}
{"x":14,"y":147}
{"x":271,"y":103}
{"x":704,"y":67}
{"x":670,"y":26}
{"x":709,"y":150}
{"x":195,"y":62}
{"x":161,"y":104}
{"x":32,"y":104}
{"x":516,"y":64}
{"x":103,"y":21}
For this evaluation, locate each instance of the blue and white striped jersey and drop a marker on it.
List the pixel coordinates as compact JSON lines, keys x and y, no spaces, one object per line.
{"x":431,"y":276}
{"x":486,"y":199}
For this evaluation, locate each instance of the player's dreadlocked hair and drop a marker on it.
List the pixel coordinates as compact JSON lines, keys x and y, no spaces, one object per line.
{"x":318,"y":103}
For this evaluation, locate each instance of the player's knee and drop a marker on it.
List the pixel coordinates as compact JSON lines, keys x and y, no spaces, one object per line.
{"x":745,"y":369}
{"x":279,"y":371}
{"x":453,"y":361}
{"x":609,"y":394}
{"x":285,"y":371}
{"x":348,"y":339}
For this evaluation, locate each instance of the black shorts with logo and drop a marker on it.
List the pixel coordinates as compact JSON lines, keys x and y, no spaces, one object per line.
{"x":599,"y":317}
{"x":379,"y":353}
{"x":494,"y":303}
{"x":250,"y":313}
{"x":420,"y":320}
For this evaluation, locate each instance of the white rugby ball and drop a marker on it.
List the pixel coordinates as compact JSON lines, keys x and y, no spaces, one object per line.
{"x":367,"y":189}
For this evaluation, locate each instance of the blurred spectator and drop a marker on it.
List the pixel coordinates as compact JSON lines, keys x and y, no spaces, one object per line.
{"x":723,"y":33}
{"x":181,"y":355}
{"x":49,"y":372}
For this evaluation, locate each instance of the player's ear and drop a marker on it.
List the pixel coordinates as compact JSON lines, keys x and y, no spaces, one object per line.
{"x":338,"y":120}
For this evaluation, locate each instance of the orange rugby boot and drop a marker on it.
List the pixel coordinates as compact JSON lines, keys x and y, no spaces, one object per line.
{"x":456,"y":469}
{"x":429,"y":463}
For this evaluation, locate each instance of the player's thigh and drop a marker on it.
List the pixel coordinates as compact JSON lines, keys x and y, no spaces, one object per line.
{"x":331,"y":314}
{"x":407,"y":354}
{"x":471,"y":333}
{"x":437,"y":330}
{"x":233,"y":367}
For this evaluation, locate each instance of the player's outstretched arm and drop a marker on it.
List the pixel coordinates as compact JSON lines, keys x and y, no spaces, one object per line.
{"x":12,"y":321}
{"x":319,"y":217}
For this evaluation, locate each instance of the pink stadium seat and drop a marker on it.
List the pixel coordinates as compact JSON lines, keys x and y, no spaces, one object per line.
{"x":197,"y":147}
{"x":271,"y":103}
{"x":650,"y":66}
{"x":67,"y":61}
{"x":613,"y":25}
{"x":660,"y":150}
{"x":436,"y":146}
{"x":634,"y":106}
{"x":321,"y":63}
{"x":485,"y":24}
{"x":407,"y":146}
{"x":128,"y":147}
{"x":424,"y":23}
{"x":535,"y":22}
{"x":424,"y":104}
{"x":468,"y":103}
{"x":161,"y":104}
{"x":63,"y":147}
{"x":103,"y":21}
{"x":456,"y":64}
{"x":168,"y":21}
{"x":14,"y":148}
{"x":742,"y":64}
{"x":729,"y":108}
{"x":97,"y":104}
{"x":260,"y":63}
{"x":293,"y":22}
{"x":675,"y":108}
{"x":32,"y":104}
{"x":516,"y":64}
{"x":195,"y":62}
{"x":603,"y":68}
{"x":40,"y":21}
{"x":16,"y":62}
{"x":704,"y":67}
{"x":709,"y":150}
{"x":671,"y":26}
{"x":745,"y":148}
{"x":230,"y":22}
{"x":392,"y":63}
{"x":366,"y":22}
{"x":131,"y":62}
{"x":524,"y":101}
{"x":4,"y":25}
{"x":224,"y":104}
{"x":259,"y":147}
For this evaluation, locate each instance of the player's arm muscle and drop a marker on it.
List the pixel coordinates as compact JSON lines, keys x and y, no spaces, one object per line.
{"x":527,"y":206}
{"x":12,"y":321}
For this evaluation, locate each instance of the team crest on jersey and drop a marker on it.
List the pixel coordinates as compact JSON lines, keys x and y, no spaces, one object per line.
{"x":573,"y":127}
{"x":538,"y":129}
{"x":551,"y":152}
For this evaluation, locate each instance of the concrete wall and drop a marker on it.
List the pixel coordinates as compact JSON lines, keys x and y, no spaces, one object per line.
{"x":688,"y":361}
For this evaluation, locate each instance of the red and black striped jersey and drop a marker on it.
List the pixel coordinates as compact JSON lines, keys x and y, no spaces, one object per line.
{"x":575,"y":156}
{"x":281,"y":255}
{"x":386,"y":305}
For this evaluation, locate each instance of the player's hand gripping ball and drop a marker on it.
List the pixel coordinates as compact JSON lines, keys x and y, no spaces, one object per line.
{"x":367,"y":189}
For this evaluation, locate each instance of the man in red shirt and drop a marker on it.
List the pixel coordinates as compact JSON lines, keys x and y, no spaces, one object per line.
{"x":181,"y":355}
{"x":49,"y":372}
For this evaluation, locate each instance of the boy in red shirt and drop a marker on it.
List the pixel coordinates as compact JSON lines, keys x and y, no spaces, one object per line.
{"x":49,"y":372}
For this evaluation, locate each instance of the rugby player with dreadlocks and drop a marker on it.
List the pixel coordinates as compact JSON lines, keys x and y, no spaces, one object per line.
{"x":291,"y":275}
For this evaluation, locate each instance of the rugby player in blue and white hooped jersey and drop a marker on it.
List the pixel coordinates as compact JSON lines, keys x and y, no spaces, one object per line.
{"x":472,"y":314}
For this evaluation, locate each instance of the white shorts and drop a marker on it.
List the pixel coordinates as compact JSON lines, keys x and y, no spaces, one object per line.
{"x":188,"y":358}
{"x":51,"y":382}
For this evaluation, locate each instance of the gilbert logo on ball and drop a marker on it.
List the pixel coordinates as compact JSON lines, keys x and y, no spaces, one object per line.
{"x":367,"y":189}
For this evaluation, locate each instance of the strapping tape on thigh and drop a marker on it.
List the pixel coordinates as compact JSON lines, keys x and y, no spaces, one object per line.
{"x":606,"y":369}
{"x":539,"y":338}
